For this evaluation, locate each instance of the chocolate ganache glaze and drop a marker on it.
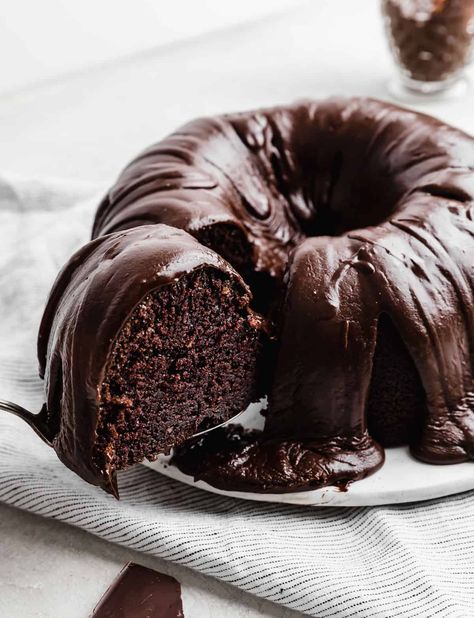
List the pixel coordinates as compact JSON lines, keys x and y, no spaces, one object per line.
{"x":348,"y":219}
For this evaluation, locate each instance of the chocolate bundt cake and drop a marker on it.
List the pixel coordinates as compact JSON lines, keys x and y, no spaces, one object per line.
{"x":319,"y":253}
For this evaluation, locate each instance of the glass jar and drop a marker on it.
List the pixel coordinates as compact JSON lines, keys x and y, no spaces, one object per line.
{"x":431,"y":41}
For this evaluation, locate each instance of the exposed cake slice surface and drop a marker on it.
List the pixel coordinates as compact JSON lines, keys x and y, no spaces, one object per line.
{"x":148,"y":337}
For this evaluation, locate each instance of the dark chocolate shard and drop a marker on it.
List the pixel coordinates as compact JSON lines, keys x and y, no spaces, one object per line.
{"x":139,"y":592}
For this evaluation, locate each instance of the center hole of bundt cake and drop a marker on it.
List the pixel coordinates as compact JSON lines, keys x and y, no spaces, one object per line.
{"x":343,"y":189}
{"x":184,"y":360}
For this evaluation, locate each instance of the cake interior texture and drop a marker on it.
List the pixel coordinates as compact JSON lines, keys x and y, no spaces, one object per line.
{"x":185,"y":360}
{"x":396,"y":403}
{"x":230,"y":243}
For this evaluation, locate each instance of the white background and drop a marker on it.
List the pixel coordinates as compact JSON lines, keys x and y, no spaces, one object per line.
{"x":88,"y":124}
{"x":43,"y":39}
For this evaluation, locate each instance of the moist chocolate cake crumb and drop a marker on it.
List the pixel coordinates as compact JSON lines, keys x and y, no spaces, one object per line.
{"x":186,"y":359}
{"x":230,"y":242}
{"x":396,"y":405}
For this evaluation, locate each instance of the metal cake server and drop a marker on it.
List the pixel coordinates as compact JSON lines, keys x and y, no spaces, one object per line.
{"x":38,"y":422}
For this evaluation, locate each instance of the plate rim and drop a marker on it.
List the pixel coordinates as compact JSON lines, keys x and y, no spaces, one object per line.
{"x":407,"y":478}
{"x":453,"y":479}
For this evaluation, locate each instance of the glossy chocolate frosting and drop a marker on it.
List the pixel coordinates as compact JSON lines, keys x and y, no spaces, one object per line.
{"x":356,"y":208}
{"x":91,"y":300}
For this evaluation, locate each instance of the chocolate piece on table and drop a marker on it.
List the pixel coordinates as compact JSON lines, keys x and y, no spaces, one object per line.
{"x":139,"y":592}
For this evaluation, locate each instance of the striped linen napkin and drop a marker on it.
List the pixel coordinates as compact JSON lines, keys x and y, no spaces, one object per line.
{"x":412,"y":560}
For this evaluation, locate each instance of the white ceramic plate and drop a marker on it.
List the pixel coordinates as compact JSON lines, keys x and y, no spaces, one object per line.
{"x":401,"y":479}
